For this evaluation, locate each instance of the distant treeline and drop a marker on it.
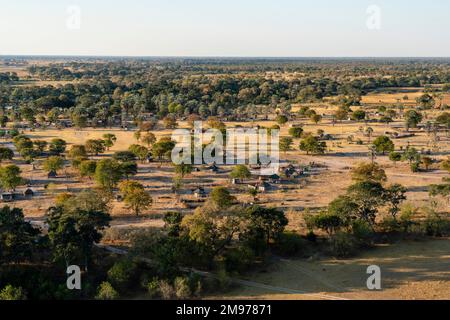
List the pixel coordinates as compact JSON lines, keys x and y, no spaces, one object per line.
{"x":129,"y":87}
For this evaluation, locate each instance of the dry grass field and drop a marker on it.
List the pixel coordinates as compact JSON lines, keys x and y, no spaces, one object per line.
{"x":413,"y":270}
{"x":409,"y":270}
{"x":315,"y":190}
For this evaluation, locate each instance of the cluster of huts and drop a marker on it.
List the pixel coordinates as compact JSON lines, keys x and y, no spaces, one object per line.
{"x":260,"y":182}
{"x":28,"y":193}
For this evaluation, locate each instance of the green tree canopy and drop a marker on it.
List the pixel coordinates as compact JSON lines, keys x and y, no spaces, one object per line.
{"x":10,"y":177}
{"x":383,"y":144}
{"x":313,"y":145}
{"x":240,"y":171}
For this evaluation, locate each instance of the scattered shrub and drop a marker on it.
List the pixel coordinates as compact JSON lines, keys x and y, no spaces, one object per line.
{"x":106,"y":292}
{"x":223,"y":280}
{"x":12,"y":293}
{"x":166,"y":290}
{"x":311,"y":236}
{"x":290,"y":244}
{"x":342,"y":244}
{"x":407,"y":213}
{"x":239,"y":259}
{"x":389,"y":224}
{"x":122,"y":274}
{"x":182,"y":288}
{"x":153,"y":288}
{"x":436,"y":225}
{"x":362,"y":231}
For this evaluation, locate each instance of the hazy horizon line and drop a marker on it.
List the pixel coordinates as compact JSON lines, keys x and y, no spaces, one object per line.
{"x":218,"y":56}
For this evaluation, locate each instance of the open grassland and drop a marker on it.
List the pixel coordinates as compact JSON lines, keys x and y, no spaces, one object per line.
{"x":328,"y":180}
{"x":409,"y":270}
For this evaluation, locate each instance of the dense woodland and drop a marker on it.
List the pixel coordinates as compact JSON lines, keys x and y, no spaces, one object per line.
{"x":113,"y":89}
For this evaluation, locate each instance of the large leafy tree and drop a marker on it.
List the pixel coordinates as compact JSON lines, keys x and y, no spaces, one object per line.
{"x":343,"y":207}
{"x":368,"y":172}
{"x":74,"y":232}
{"x":109,"y":139}
{"x":139,"y":151}
{"x":53,"y":163}
{"x":368,"y":195}
{"x":163,"y":148}
{"x":240,"y":172}
{"x":295,"y":132}
{"x":6,"y":154}
{"x":135,"y":196}
{"x":108,"y":173}
{"x":266,"y":224}
{"x":221,"y":197}
{"x":383,"y":144}
{"x":18,"y":238}
{"x":10,"y":177}
{"x":95,"y":146}
{"x":87,"y":168}
{"x":124,"y":156}
{"x":57,"y":146}
{"x":412,"y":119}
{"x":214,"y":228}
{"x":183,"y":169}
{"x":285,"y":144}
{"x":395,"y":195}
{"x":313,"y":145}
{"x":149,"y":139}
{"x":77,"y":152}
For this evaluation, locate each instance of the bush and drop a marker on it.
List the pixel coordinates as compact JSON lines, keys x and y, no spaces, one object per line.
{"x":389,"y":224}
{"x":311,"y":236}
{"x":290,"y":244}
{"x":436,"y":226}
{"x":362,"y":231}
{"x":342,"y":244}
{"x":106,"y":292}
{"x":41,"y":281}
{"x":153,"y":288}
{"x":182,"y":288}
{"x":239,"y":259}
{"x":223,"y":280}
{"x":415,"y":167}
{"x":196,"y":284}
{"x":12,"y":293}
{"x":406,"y":217}
{"x":166,"y":290}
{"x":122,"y":274}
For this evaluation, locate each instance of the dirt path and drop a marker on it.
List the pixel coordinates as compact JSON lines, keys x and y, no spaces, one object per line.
{"x":410,"y":270}
{"x":240,"y":282}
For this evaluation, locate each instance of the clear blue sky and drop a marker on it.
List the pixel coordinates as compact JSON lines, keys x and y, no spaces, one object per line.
{"x":226,"y":28}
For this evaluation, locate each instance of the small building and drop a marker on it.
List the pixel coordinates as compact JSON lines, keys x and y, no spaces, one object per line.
{"x":261,"y":186}
{"x":274,"y":178}
{"x":214,"y":168}
{"x":199,"y":193}
{"x":235,"y":181}
{"x":289,"y":171}
{"x":28,"y":193}
{"x":52,"y":174}
{"x":7,"y":196}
